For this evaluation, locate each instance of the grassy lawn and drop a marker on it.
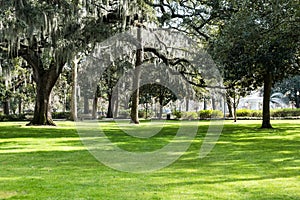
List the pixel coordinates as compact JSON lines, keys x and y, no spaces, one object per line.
{"x":246,"y":163}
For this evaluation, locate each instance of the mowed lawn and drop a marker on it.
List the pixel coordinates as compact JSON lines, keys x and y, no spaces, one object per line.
{"x":246,"y":163}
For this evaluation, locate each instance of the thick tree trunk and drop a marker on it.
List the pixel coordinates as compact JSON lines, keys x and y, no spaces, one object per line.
{"x":136,"y":80}
{"x":266,"y":101}
{"x":44,"y":84}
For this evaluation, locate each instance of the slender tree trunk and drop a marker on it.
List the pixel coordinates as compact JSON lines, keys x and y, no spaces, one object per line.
{"x":213,"y":103}
{"x":229,"y":105}
{"x":86,"y":105}
{"x":234,"y":108}
{"x":136,"y":80}
{"x":187,"y":103}
{"x":116,"y":104}
{"x":204,"y":104}
{"x":109,"y":113}
{"x":95,"y":105}
{"x":20,"y":105}
{"x":74,"y":90}
{"x":161,"y":106}
{"x":6,"y":106}
{"x":266,"y":101}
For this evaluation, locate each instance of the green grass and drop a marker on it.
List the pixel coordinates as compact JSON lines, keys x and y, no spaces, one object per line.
{"x":246,"y":163}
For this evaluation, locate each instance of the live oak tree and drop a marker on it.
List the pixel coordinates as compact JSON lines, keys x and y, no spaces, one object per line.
{"x":48,"y":34}
{"x":261,"y":40}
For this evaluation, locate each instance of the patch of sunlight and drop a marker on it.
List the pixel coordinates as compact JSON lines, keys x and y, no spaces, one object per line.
{"x":23,"y":145}
{"x":7,"y":194}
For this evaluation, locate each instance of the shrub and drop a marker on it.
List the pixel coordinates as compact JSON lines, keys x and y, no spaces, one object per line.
{"x":189,"y":115}
{"x":217,"y":114}
{"x":177,"y":114}
{"x":61,"y":115}
{"x":243,"y":113}
{"x":207,"y":114}
{"x":286,"y":112}
{"x":13,"y":117}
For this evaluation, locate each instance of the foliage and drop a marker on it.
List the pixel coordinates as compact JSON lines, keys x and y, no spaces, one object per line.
{"x":178,"y":114}
{"x":286,"y":112}
{"x":189,"y":115}
{"x":207,"y":114}
{"x":13,"y":117}
{"x":61,"y":115}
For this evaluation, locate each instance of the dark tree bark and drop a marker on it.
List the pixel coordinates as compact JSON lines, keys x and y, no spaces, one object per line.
{"x":229,"y":105}
{"x":20,"y":105}
{"x":187,"y":103}
{"x":266,"y":101}
{"x":109,"y":113}
{"x":204,"y":104}
{"x":6,"y":106}
{"x":45,"y":79}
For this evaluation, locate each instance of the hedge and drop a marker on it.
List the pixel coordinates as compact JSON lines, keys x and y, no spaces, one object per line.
{"x":286,"y":112}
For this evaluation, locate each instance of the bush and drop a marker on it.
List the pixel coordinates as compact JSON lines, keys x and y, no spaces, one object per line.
{"x":286,"y":112}
{"x":207,"y":114}
{"x":13,"y":117}
{"x":61,"y":115}
{"x":217,"y":114}
{"x":189,"y":115}
{"x":177,"y":114}
{"x":243,"y":113}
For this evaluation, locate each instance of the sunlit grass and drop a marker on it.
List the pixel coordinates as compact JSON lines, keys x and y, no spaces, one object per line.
{"x":246,"y":163}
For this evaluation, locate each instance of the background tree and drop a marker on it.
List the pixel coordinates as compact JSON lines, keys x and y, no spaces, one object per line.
{"x":48,"y":34}
{"x":261,"y":38}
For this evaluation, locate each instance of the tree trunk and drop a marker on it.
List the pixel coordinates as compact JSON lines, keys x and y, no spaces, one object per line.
{"x":86,"y":105}
{"x":213,"y":103}
{"x":204,"y":104}
{"x":161,"y":106}
{"x":187,"y":103}
{"x":20,"y":105}
{"x":266,"y":101}
{"x":109,"y":113}
{"x":116,"y":104}
{"x":74,"y":91}
{"x":44,"y":84}
{"x":6,"y":106}
{"x":234,"y":108}
{"x":136,"y":80}
{"x":95,"y":105}
{"x":229,"y":105}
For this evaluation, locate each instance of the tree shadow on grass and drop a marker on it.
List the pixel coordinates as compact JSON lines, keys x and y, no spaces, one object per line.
{"x":19,"y":131}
